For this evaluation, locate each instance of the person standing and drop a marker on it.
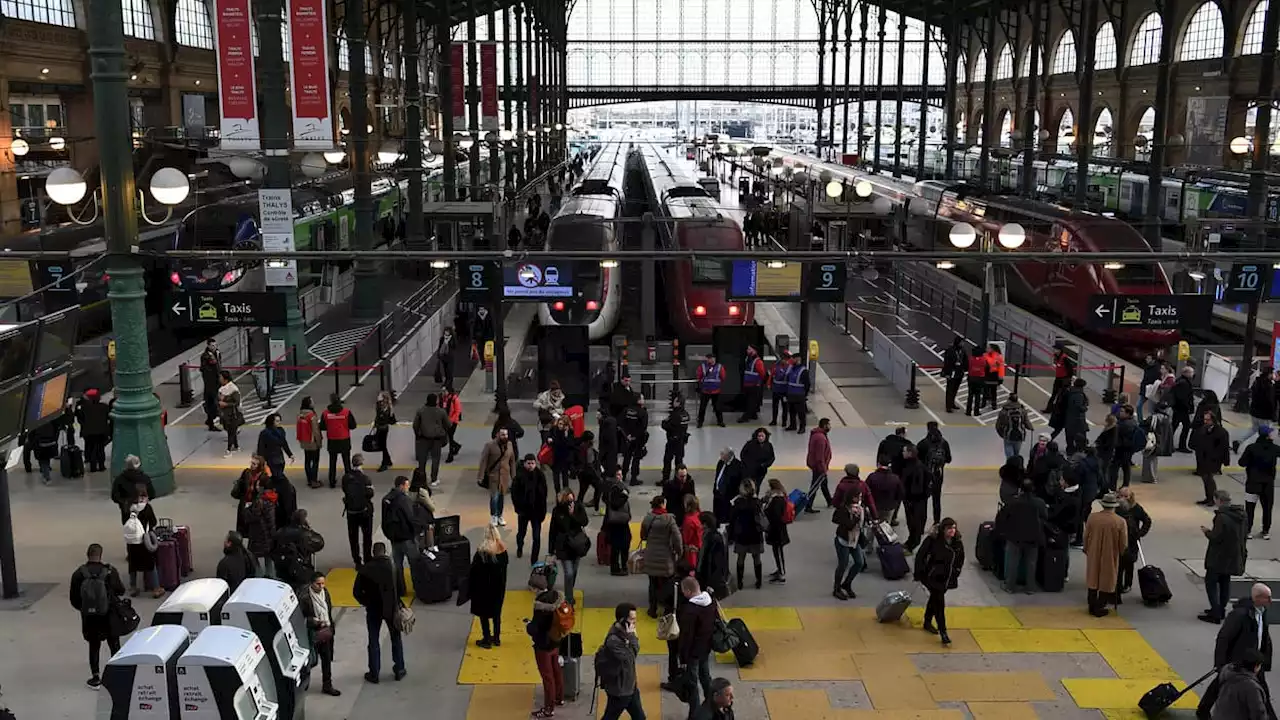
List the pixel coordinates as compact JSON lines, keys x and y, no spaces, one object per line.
{"x":1012,"y":425}
{"x":384,"y":418}
{"x":399,"y":529}
{"x":953,"y":369}
{"x":42,"y":442}
{"x":445,"y":349}
{"x":676,"y":427}
{"x":885,"y":492}
{"x":229,"y":412}
{"x":617,"y":522}
{"x":307,"y":433}
{"x":697,"y":619}
{"x":1182,"y":400}
{"x":273,"y":445}
{"x":634,"y":426}
{"x":1259,"y":463}
{"x":317,"y":609}
{"x":129,"y":485}
{"x":95,"y":589}
{"x":337,"y":423}
{"x":915,"y":496}
{"x":977,"y":376}
{"x":488,"y":587}
{"x":567,"y":538}
{"x":994,"y":377}
{"x":935,"y":452}
{"x":797,"y":394}
{"x":710,"y":377}
{"x":778,"y":382}
{"x":237,"y":563}
{"x":757,"y":456}
{"x":663,"y":547}
{"x":1129,"y":438}
{"x":1212,"y":448}
{"x":609,"y":437}
{"x":776,"y":534}
{"x":728,"y":480}
{"x":753,"y":380}
{"x":1139,"y":524}
{"x":938,"y":567}
{"x":377,"y":591}
{"x":529,"y":498}
{"x":615,"y":666}
{"x":210,"y":374}
{"x":1244,"y":636}
{"x":357,"y":506}
{"x":1021,"y":524}
{"x":1150,"y":375}
{"x":1262,"y":405}
{"x":818,"y":460}
{"x":850,"y":561}
{"x":546,"y":651}
{"x":1064,"y":369}
{"x":747,"y":523}
{"x":497,"y":467}
{"x":95,"y":427}
{"x":139,"y":549}
{"x":1106,"y":537}
{"x":1224,"y":556}
{"x":564,"y":451}
{"x":1075,"y":408}
{"x":430,"y":433}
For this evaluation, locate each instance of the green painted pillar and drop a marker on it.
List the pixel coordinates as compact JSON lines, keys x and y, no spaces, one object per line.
{"x":366,"y":298}
{"x":137,"y":410}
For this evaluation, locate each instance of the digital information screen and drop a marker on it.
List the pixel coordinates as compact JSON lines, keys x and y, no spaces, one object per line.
{"x":755,"y":280}
{"x":12,"y":406}
{"x":17,"y":347}
{"x":537,"y":281}
{"x":47,"y":395}
{"x":57,"y":339}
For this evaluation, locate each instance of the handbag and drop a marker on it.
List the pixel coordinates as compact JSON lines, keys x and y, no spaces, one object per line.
{"x":668,"y":625}
{"x":404,"y":619}
{"x":635,"y":561}
{"x":370,"y":444}
{"x":324,"y":634}
{"x":723,"y":638}
{"x":578,"y":544}
{"x":150,"y":541}
{"x":545,"y":456}
{"x":126,"y":618}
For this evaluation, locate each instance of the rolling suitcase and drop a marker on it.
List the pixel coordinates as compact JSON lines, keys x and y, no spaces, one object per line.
{"x":571,"y":671}
{"x":984,"y":546}
{"x":71,"y":462}
{"x":1152,"y":584}
{"x":799,"y":500}
{"x":892,"y":606}
{"x":1051,"y":570}
{"x":432,"y":581}
{"x":457,"y":554}
{"x":747,"y":649}
{"x":893,"y":561}
{"x":602,"y":548}
{"x":182,"y":536}
{"x":167,"y":564}
{"x":1161,"y":697}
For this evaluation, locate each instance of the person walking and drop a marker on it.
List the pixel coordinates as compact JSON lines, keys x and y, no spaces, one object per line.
{"x":95,"y":589}
{"x":798,"y":386}
{"x":357,"y":506}
{"x":1150,"y":376}
{"x":228,"y":412}
{"x":487,"y":583}
{"x":587,"y":467}
{"x":310,"y":440}
{"x":938,"y":565}
{"x":1106,"y":537}
{"x":753,"y":380}
{"x":1259,"y":463}
{"x":452,"y":406}
{"x":1075,"y":408}
{"x":95,"y":427}
{"x":1224,"y":555}
{"x":384,"y":418}
{"x":663,"y":548}
{"x":237,"y":563}
{"x":1064,"y":369}
{"x":885,"y":492}
{"x":317,"y":609}
{"x":848,"y":519}
{"x":916,"y":491}
{"x":564,"y":448}
{"x":273,"y":445}
{"x":818,"y":460}
{"x":567,"y":538}
{"x":543,"y":632}
{"x":935,"y":452}
{"x":697,"y":619}
{"x":676,"y":428}
{"x":430,"y":433}
{"x":617,"y":522}
{"x":1241,"y":694}
{"x":210,"y":374}
{"x":140,"y":546}
{"x":1245,"y":637}
{"x":757,"y":456}
{"x":549,"y":405}
{"x":1139,"y":524}
{"x":710,"y":377}
{"x":497,"y":467}
{"x":747,"y":524}
{"x":778,"y":514}
{"x":399,"y":529}
{"x":778,"y":384}
{"x":529,"y":499}
{"x":377,"y":591}
{"x":42,"y":442}
{"x":1021,"y":524}
{"x":445,"y":348}
{"x":337,"y":422}
{"x":615,"y":666}
{"x":1212,"y":447}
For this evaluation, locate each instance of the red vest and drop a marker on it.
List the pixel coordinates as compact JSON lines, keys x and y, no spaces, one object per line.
{"x":977,"y":366}
{"x":335,"y":424}
{"x":1060,"y":366}
{"x":304,"y":427}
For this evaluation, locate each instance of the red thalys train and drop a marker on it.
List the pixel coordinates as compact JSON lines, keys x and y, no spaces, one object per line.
{"x":689,"y":220}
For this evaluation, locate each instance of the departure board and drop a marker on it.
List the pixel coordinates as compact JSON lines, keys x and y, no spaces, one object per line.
{"x":756,"y":280}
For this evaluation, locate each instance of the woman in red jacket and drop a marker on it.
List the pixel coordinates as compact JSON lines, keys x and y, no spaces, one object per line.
{"x":691,"y":530}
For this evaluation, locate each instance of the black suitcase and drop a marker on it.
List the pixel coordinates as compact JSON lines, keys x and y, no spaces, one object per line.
{"x":747,"y":649}
{"x":71,"y":462}
{"x":448,"y":529}
{"x":458,"y":552}
{"x":1161,"y":697}
{"x":984,"y":546}
{"x":432,"y":581}
{"x":1152,"y":584}
{"x":893,"y":561}
{"x":1051,"y":569}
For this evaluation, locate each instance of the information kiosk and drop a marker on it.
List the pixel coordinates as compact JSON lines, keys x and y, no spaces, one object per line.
{"x":141,"y":681}
{"x":195,"y":605}
{"x":269,"y":609}
{"x":225,"y":675}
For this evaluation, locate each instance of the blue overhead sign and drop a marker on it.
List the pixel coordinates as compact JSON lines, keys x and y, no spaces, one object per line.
{"x":537,"y":281}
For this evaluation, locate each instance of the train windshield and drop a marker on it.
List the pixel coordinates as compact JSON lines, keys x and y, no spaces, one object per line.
{"x":708,"y":271}
{"x":1135,"y":274}
{"x":583,"y":237}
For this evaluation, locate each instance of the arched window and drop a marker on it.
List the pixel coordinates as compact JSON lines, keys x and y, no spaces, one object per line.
{"x":344,"y":52}
{"x":1064,"y":57}
{"x":49,"y":12}
{"x":1066,"y":131}
{"x":137,"y":19}
{"x":1146,"y":41}
{"x":1103,"y":132}
{"x":980,"y":67}
{"x":1004,"y":64}
{"x":1104,"y":47}
{"x":191,"y":24}
{"x":1252,"y":43}
{"x":1205,"y":36}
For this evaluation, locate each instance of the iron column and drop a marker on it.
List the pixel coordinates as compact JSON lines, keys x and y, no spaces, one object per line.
{"x":522,"y":101}
{"x":1159,"y":134}
{"x":848,"y":57}
{"x":473,"y":109}
{"x":415,"y":224}
{"x":883,"y":17}
{"x":822,"y":58}
{"x":988,"y":99}
{"x":902,"y":78}
{"x":366,"y":300}
{"x":1031,"y":133}
{"x":1085,"y":62}
{"x":923,"y":132}
{"x":862,"y":82}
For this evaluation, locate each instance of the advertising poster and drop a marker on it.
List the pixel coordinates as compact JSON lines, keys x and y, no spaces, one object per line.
{"x":237,"y":91}
{"x":489,"y":86}
{"x":309,"y":63}
{"x":457,"y":71}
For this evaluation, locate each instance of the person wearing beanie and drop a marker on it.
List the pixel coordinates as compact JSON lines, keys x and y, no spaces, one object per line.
{"x":1259,"y":463}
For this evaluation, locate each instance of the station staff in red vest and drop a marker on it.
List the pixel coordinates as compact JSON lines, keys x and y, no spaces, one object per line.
{"x":1064,"y":368}
{"x":995,"y":373}
{"x":977,"y":377}
{"x":337,"y":422}
{"x":710,"y":379}
{"x":778,"y":380}
{"x":753,"y":382}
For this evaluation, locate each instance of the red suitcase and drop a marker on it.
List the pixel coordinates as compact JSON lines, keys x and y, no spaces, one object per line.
{"x":577,"y":418}
{"x":168,"y":565}
{"x":602,"y":548}
{"x":182,"y":534}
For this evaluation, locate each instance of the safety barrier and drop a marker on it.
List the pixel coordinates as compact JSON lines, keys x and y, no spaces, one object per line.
{"x":894,"y":363}
{"x":411,"y":355}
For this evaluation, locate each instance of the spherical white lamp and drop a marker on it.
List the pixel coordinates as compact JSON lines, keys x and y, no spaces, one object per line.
{"x":863,"y":189}
{"x":170,"y":186}
{"x":335,"y":156}
{"x":466,"y":144}
{"x":825,"y":176}
{"x":65,"y":186}
{"x":1239,"y":145}
{"x":388,"y":153}
{"x":245,"y":168}
{"x":881,"y":206}
{"x":963,"y":235}
{"x":507,"y":135}
{"x":834,"y":188}
{"x":1012,"y":236}
{"x":532,"y":133}
{"x":313,"y":165}
{"x":57,"y":143}
{"x":20,"y":147}
{"x":559,"y":126}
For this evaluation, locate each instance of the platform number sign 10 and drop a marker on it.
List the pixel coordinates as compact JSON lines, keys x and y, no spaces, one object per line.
{"x":826,"y":282}
{"x":478,"y":281}
{"x":1248,"y":283}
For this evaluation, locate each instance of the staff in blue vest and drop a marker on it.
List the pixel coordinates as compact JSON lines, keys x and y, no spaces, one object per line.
{"x":753,"y":381}
{"x":710,"y":379}
{"x":778,"y":380}
{"x":797,"y":393}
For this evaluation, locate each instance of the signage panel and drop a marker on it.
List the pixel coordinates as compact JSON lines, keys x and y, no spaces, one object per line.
{"x":1248,"y":282}
{"x":489,"y":86}
{"x":1151,"y":312}
{"x":237,"y":91}
{"x":756,"y":280}
{"x":537,"y":281}
{"x":457,"y":71}
{"x":249,"y":309}
{"x":309,"y":63}
{"x":275,"y":212}
{"x":825,"y":281}
{"x":479,"y":281}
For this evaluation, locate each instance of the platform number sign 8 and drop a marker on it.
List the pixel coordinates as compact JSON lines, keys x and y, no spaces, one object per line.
{"x":1246,"y":284}
{"x":478,"y":280}
{"x":826,"y":282}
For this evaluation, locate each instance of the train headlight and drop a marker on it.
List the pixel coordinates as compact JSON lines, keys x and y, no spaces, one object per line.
{"x":734,"y":311}
{"x":558,"y":305}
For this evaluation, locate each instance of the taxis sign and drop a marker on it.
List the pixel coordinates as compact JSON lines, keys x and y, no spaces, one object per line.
{"x":1151,"y":312}
{"x":241,"y":309}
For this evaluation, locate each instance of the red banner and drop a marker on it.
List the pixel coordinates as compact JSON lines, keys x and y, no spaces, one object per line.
{"x":237,"y":92}
{"x":458,"y":75}
{"x":489,"y":85}
{"x":309,"y":60}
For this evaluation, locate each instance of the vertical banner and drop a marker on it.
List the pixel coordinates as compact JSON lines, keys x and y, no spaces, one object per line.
{"x":458,"y":78}
{"x":309,"y":61}
{"x":237,"y":92}
{"x":533,"y":102}
{"x":489,"y":85}
{"x":275,"y":210}
{"x":1206,"y":130}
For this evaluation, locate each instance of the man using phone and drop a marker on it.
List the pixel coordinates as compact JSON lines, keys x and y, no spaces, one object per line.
{"x":615,"y":664}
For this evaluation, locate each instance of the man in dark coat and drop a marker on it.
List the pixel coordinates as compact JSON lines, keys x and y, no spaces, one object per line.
{"x":890,"y":449}
{"x":728,"y":479}
{"x":95,"y":588}
{"x":697,"y":618}
{"x":955,"y":363}
{"x":1075,"y":406}
{"x":1246,"y":629}
{"x":210,"y":369}
{"x":237,"y":563}
{"x":95,"y":427}
{"x":1021,"y":524}
{"x":375,"y":590}
{"x":719,"y":702}
{"x":1182,"y":399}
{"x":1259,"y":463}
{"x":1224,"y":556}
{"x":399,"y":528}
{"x":1262,"y":404}
{"x":915,"y":501}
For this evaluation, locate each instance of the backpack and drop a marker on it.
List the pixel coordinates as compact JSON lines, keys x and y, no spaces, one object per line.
{"x":133,"y":530}
{"x":937,"y":456}
{"x":355,"y":498}
{"x":563,"y":622}
{"x":1138,"y":440}
{"x":1009,"y":425}
{"x":789,"y":512}
{"x":95,"y":599}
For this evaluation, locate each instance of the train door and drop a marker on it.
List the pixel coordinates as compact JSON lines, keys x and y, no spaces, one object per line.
{"x":1172,"y":207}
{"x":1131,"y":197}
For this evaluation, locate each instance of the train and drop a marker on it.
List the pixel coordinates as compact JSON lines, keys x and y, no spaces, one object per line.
{"x":585,"y":222}
{"x":688,"y":219}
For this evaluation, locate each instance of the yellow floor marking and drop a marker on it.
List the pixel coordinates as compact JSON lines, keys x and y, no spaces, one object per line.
{"x":512,"y":662}
{"x":648,"y":682}
{"x":904,"y":714}
{"x":790,"y":655}
{"x":783,"y":704}
{"x":1070,"y":617}
{"x":971,"y":618}
{"x":835,"y":621}
{"x":1032,"y":641}
{"x":1002,"y":711}
{"x":896,"y":692}
{"x":595,"y":623}
{"x":1121,"y":694}
{"x":763,"y":619}
{"x":500,"y":701}
{"x":1124,"y":715}
{"x":885,"y":664}
{"x":1129,"y":654}
{"x":988,"y":686}
{"x":340,"y":582}
{"x":901,"y":638}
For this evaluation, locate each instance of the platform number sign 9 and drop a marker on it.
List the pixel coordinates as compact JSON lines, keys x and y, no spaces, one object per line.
{"x":478,"y":280}
{"x":826,"y":281}
{"x":1248,"y":283}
